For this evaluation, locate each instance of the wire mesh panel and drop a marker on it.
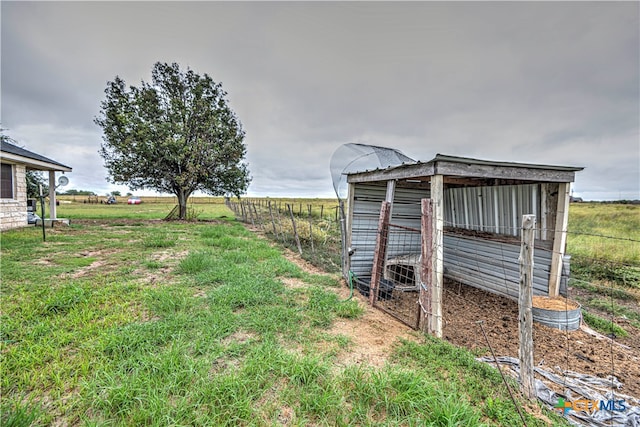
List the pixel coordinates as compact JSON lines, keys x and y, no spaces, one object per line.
{"x":399,"y":283}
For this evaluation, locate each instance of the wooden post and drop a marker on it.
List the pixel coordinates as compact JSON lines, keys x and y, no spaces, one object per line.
{"x":380,"y":252}
{"x":313,"y":251}
{"x":250,"y":213}
{"x":437,"y":255}
{"x":425,"y":274}
{"x":280,"y":222}
{"x":273,"y":223}
{"x":390,"y":195}
{"x":244,"y":215}
{"x":525,"y":317}
{"x":559,"y":238}
{"x":295,"y":230}
{"x":52,"y":196}
{"x":258,"y":218}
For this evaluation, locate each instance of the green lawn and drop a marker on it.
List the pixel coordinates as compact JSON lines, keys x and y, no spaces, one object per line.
{"x":125,"y":320}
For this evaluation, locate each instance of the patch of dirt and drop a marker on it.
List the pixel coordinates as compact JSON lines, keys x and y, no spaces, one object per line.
{"x":373,"y":335}
{"x":162,"y":256}
{"x":238,"y":337}
{"x":83,"y":271}
{"x":302,"y":263}
{"x":154,"y":277}
{"x":579,"y":351}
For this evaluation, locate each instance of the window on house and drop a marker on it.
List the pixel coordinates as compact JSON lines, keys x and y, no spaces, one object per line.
{"x":6,"y":181}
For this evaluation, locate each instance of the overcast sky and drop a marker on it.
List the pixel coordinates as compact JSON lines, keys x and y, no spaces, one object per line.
{"x":541,"y":82}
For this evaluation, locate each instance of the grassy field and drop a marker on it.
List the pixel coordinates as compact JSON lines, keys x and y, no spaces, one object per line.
{"x":604,"y":243}
{"x":121,"y":319}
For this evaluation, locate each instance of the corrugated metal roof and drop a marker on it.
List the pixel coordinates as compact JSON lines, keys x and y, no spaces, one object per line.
{"x":7,"y":147}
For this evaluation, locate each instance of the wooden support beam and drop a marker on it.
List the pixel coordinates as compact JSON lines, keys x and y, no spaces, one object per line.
{"x":391,"y":193}
{"x":380,"y":252}
{"x":52,"y":195}
{"x":559,"y":238}
{"x":544,"y":210}
{"x":391,"y":189}
{"x":437,"y":254}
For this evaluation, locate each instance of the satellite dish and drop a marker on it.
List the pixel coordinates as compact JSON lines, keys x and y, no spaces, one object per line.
{"x":62,"y":181}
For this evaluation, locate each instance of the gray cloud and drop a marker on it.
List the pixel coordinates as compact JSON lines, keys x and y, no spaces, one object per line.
{"x":544,"y":82}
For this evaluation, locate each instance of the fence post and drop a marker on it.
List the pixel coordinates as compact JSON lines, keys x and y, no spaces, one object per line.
{"x":250,"y":212}
{"x":244,"y":213}
{"x":313,"y":251}
{"x":426,"y":277}
{"x":258,"y":218}
{"x":525,"y":316}
{"x":295,"y":230}
{"x":380,"y":253}
{"x":437,"y":259}
{"x":273,"y":223}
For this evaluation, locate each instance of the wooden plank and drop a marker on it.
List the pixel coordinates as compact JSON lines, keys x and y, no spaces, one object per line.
{"x":379,"y":254}
{"x":504,"y":172}
{"x":495,"y":170}
{"x":525,"y":316}
{"x":437,"y":260}
{"x":397,"y":173}
{"x":559,"y":238}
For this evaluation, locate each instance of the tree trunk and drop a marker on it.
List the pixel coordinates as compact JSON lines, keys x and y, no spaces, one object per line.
{"x":183,"y":196}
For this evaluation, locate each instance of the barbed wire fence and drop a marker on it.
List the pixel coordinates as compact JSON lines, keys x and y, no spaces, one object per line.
{"x":311,"y":229}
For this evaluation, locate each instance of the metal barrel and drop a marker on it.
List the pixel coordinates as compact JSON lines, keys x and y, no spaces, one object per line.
{"x":568,"y":320}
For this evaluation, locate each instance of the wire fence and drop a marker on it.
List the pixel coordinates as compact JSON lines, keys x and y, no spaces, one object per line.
{"x":311,"y":229}
{"x":483,"y":313}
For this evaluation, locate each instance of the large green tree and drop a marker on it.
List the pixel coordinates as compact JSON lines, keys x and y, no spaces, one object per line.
{"x":175,"y":134}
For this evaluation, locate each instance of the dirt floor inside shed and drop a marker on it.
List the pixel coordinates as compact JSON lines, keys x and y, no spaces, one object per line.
{"x":577,"y":351}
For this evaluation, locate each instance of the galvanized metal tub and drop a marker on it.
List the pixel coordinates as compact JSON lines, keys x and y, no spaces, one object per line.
{"x":565,"y":318}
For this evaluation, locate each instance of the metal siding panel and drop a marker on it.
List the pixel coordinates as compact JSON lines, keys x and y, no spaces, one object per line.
{"x":366,"y":212}
{"x":492,"y":266}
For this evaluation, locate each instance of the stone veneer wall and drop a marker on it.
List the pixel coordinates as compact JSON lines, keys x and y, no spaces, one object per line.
{"x":13,"y":212}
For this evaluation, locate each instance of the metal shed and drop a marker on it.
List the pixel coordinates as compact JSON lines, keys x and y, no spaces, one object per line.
{"x":477,"y":210}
